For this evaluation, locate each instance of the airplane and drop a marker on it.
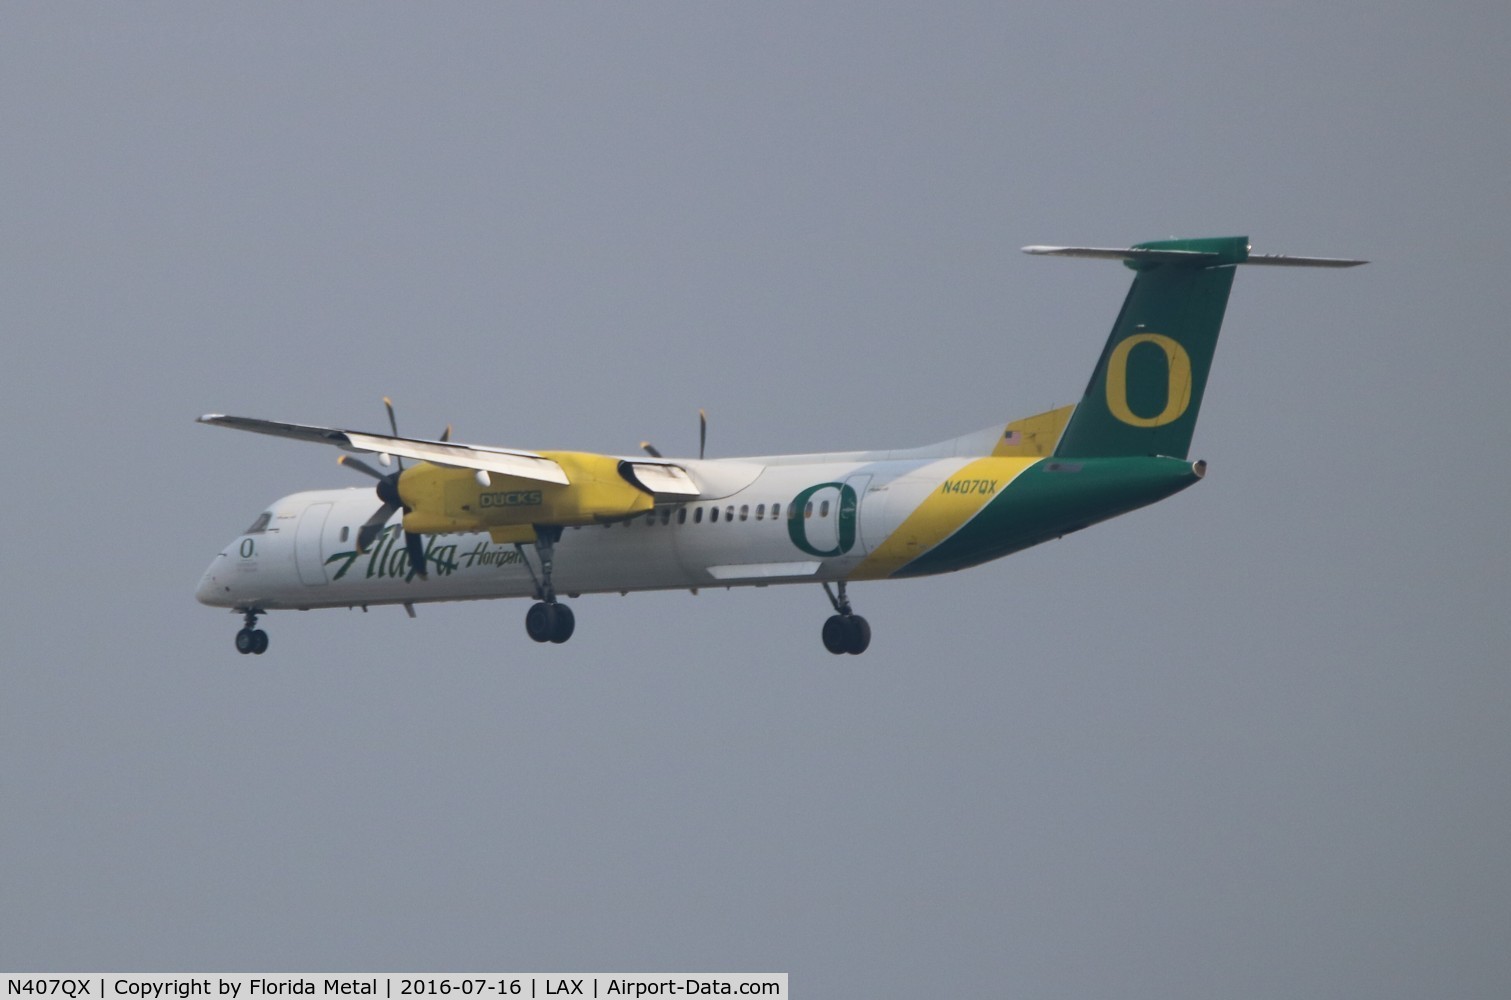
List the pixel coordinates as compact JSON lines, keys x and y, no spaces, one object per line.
{"x":488,"y":522}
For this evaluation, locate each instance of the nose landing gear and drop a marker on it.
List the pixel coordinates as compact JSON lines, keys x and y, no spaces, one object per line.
{"x":845,"y":631}
{"x":251,"y":639}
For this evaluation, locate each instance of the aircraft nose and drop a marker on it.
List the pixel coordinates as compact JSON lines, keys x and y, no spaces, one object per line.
{"x":212,"y":590}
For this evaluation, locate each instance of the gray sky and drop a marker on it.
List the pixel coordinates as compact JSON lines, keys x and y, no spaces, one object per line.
{"x":1251,"y":742}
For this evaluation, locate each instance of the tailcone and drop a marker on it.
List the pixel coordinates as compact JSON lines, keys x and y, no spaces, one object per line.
{"x":1055,"y":498}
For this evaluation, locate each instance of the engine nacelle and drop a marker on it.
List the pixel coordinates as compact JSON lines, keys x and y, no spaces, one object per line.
{"x":442,"y":499}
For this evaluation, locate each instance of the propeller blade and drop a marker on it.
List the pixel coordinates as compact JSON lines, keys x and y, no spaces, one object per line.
{"x":393,"y":422}
{"x":650,"y":449}
{"x":414,"y":544}
{"x":359,"y":465}
{"x":374,"y":525}
{"x":702,"y":432}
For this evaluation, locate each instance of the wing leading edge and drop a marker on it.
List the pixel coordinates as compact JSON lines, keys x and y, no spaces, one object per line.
{"x":504,"y":461}
{"x":661,"y":478}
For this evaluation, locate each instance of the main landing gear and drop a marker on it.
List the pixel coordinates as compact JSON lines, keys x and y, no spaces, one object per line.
{"x":845,"y":631}
{"x":251,"y":639}
{"x":548,"y":620}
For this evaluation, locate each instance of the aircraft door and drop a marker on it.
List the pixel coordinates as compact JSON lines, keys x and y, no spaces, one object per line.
{"x":863,"y":515}
{"x":309,"y":554}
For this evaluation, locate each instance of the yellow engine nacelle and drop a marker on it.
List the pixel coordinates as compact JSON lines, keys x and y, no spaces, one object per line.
{"x":442,"y":499}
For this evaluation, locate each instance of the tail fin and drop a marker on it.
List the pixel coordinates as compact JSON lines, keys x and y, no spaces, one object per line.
{"x":1147,"y":387}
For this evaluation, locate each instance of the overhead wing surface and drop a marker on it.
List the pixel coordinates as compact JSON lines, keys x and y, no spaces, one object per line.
{"x":663,"y":479}
{"x":504,"y":461}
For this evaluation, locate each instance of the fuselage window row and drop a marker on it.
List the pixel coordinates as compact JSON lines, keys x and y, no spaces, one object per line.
{"x":663,"y":515}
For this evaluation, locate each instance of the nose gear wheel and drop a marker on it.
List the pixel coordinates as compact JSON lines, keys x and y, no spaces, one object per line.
{"x":251,"y":639}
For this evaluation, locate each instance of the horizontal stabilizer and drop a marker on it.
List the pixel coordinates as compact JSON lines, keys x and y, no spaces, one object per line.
{"x":1130,"y":253}
{"x":1281,"y":260}
{"x":1158,"y":255}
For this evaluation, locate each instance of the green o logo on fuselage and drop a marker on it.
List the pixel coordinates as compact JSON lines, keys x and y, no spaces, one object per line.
{"x":1177,"y":385}
{"x":798,"y":517}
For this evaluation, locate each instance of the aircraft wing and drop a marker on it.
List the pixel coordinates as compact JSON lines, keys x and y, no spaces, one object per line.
{"x":504,"y":461}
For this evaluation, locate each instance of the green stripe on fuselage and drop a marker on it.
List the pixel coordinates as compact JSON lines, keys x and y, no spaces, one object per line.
{"x":1054,"y":498}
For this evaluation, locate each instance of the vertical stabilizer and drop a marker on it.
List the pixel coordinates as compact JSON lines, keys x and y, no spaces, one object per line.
{"x":1147,"y":387}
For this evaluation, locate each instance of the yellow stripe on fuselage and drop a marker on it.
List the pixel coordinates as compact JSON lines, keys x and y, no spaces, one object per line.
{"x":1036,"y":435}
{"x":948,"y":506}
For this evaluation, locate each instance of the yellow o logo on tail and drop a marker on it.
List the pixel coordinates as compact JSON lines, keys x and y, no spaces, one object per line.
{"x":1177,"y":393}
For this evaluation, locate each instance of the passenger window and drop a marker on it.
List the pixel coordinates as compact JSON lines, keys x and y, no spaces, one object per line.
{"x":681,"y":515}
{"x":713,"y":515}
{"x":345,"y":533}
{"x":823,"y":509}
{"x":729,"y":512}
{"x":744,"y":511}
{"x":760,"y":512}
{"x":808,"y":510}
{"x":666,"y":515}
{"x":698,"y":516}
{"x":776,"y":511}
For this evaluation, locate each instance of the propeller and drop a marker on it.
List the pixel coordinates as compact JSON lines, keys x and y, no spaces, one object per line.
{"x":388,"y":492}
{"x":359,"y":465}
{"x":651,"y":449}
{"x":393,"y":422}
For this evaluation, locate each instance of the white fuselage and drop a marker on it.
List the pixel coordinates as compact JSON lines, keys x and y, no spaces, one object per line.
{"x":305,"y":556}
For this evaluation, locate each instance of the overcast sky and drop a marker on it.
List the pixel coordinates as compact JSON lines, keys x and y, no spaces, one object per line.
{"x":1250,"y":742}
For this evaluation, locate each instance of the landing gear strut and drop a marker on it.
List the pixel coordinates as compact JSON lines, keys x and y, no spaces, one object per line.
{"x":845,"y":631}
{"x":251,"y":639}
{"x":547,"y":620}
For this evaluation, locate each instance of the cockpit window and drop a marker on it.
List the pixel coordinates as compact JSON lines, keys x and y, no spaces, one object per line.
{"x":261,"y":524}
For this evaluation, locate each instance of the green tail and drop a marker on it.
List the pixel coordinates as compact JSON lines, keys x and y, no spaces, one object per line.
{"x":1146,"y":390}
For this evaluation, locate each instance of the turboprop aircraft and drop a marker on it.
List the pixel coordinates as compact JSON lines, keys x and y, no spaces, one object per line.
{"x":480,"y":521}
